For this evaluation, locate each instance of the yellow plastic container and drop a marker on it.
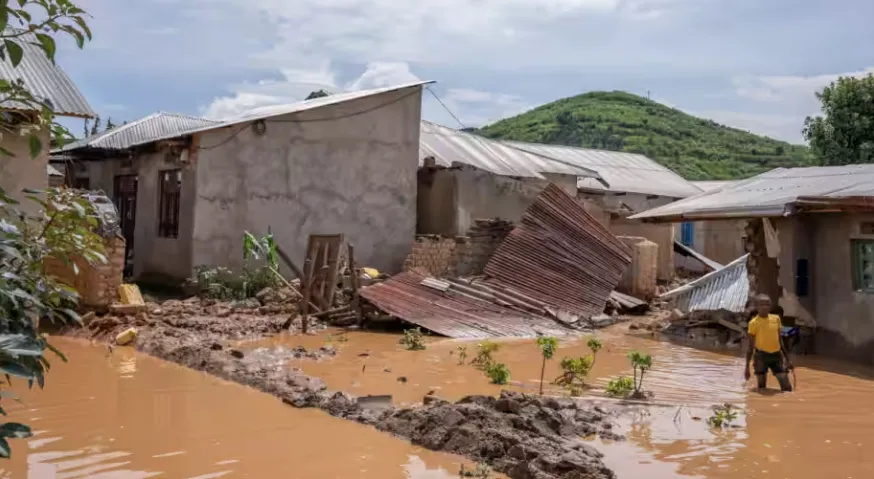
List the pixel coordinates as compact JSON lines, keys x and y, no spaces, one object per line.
{"x":130,"y":294}
{"x":372,"y":272}
{"x":126,"y":337}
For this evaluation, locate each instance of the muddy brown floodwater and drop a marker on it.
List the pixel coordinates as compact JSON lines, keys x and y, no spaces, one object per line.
{"x":822,"y":430}
{"x":127,"y":415}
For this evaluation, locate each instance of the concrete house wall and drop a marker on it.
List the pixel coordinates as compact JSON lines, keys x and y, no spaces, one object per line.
{"x":354,"y":174}
{"x":622,"y":205}
{"x":722,"y":241}
{"x":844,"y":317}
{"x":20,"y":171}
{"x":451,"y":199}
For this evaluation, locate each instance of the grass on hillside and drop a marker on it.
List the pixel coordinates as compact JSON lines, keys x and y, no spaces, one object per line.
{"x":696,"y":148}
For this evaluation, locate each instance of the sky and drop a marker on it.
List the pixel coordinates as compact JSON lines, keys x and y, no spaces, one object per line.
{"x":751,"y":64}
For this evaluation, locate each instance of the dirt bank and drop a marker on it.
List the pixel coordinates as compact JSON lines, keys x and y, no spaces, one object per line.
{"x":524,"y":437}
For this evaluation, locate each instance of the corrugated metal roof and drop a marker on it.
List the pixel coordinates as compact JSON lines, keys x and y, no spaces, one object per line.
{"x":264,"y":112}
{"x":52,"y":171}
{"x":727,"y":288}
{"x":711,"y":185}
{"x":771,"y":193}
{"x":448,"y":146}
{"x":623,"y":172}
{"x":453,"y":313}
{"x":144,"y":130}
{"x":561,"y":256}
{"x":45,"y":80}
{"x":687,"y":251}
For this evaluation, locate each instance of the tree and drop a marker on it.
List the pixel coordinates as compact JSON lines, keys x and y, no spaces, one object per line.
{"x":36,"y":22}
{"x":844,"y":134}
{"x":317,"y":94}
{"x":62,"y":230}
{"x":547,"y":345}
{"x":95,"y":127}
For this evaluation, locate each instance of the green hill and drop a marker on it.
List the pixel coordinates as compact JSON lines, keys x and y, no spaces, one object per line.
{"x":696,"y":148}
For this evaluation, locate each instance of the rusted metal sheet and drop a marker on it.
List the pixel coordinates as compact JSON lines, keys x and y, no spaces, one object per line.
{"x":560,"y":255}
{"x":453,"y":312}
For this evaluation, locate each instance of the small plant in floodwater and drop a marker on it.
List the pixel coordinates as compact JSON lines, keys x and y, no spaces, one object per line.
{"x":462,"y":356}
{"x":482,"y":471}
{"x":641,"y":364}
{"x":548,"y":345}
{"x":499,"y":373}
{"x":575,"y":370}
{"x":621,"y":387}
{"x":484,"y":352}
{"x":722,"y":416}
{"x":413,"y":340}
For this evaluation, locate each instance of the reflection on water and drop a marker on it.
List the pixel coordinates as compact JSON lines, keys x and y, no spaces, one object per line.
{"x":129,"y":416}
{"x":820,"y":431}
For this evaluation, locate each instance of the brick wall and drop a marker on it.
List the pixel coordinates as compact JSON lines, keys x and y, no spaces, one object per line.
{"x":98,"y":284}
{"x":461,"y":255}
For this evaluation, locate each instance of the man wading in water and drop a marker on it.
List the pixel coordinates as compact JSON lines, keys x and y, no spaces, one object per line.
{"x":765,"y":348}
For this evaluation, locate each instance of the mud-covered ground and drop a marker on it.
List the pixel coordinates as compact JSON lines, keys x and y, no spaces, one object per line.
{"x":522,"y":436}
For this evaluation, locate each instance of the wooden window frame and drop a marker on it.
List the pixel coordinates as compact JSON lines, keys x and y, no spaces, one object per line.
{"x":856,"y":253}
{"x":170,"y":187}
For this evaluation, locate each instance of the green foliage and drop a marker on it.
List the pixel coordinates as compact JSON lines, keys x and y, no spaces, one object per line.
{"x":722,"y":416}
{"x":34,"y":22}
{"x":696,"y":148}
{"x":413,"y":340}
{"x":62,"y":231}
{"x":621,"y":387}
{"x":226,"y":285}
{"x":484,"y":352}
{"x":641,"y":364}
{"x":482,"y":471}
{"x":499,"y":373}
{"x":462,"y":354}
{"x":845,"y":133}
{"x":317,"y":94}
{"x":576,"y":370}
{"x":548,"y":345}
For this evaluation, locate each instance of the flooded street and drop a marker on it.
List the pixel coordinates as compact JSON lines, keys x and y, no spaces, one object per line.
{"x":821,"y":430}
{"x":127,"y":415}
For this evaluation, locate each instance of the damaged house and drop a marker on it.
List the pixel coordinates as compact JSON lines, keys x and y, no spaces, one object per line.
{"x":46,"y":81}
{"x":187,"y":188}
{"x":627,"y":183}
{"x":810,"y":235}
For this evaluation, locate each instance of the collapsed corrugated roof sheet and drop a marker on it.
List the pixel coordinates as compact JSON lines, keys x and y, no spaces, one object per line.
{"x":448,"y":146}
{"x":457,"y":312}
{"x":774,"y":193}
{"x":560,"y":255}
{"x":623,"y":172}
{"x":687,"y":251}
{"x":144,"y":130}
{"x":52,"y":171}
{"x":726,"y":288}
{"x":45,"y":80}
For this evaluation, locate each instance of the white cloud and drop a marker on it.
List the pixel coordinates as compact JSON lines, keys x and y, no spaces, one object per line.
{"x":473,"y":107}
{"x":792,"y":97}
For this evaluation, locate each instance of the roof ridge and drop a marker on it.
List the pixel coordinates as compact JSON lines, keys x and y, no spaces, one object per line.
{"x":183,"y":115}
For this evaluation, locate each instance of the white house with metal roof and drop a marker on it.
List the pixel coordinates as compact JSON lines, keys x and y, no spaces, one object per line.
{"x":464,"y":177}
{"x":811,"y":238}
{"x":47,"y":82}
{"x":344,"y":163}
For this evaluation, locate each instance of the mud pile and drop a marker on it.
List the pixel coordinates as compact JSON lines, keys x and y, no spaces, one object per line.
{"x":525,"y":437}
{"x":272,"y":312}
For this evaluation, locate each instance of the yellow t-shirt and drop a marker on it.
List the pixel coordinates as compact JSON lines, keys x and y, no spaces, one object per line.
{"x":767,"y":332}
